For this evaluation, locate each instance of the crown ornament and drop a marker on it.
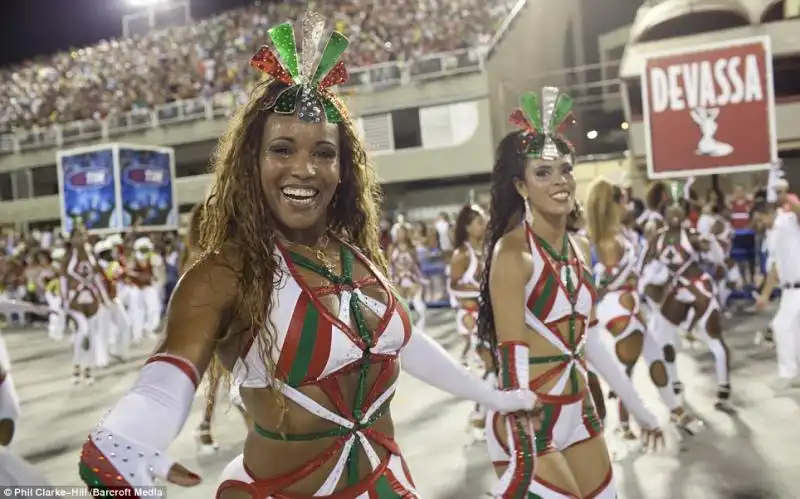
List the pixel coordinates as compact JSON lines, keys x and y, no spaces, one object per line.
{"x":306,"y":80}
{"x":543,"y":123}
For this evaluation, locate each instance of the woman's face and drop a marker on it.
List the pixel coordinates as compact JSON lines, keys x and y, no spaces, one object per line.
{"x":549,"y":185}
{"x":674,"y":216}
{"x":402,"y":235}
{"x":299,"y":170}
{"x":432,"y":239}
{"x":477,"y":227}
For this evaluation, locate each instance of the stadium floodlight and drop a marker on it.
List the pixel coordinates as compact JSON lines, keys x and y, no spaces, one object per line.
{"x":144,"y":3}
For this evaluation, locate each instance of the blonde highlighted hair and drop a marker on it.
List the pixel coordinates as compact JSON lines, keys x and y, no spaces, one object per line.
{"x":602,"y":210}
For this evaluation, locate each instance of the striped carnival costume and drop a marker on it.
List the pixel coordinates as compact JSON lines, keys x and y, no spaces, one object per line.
{"x":319,"y":370}
{"x":568,"y":413}
{"x":682,"y":293}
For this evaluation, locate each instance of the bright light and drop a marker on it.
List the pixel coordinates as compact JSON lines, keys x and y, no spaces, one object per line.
{"x":144,"y":3}
{"x":624,"y":125}
{"x":591,"y":134}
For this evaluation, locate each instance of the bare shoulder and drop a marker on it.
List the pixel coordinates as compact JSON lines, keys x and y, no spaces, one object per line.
{"x":510,"y":248}
{"x":212,"y":278}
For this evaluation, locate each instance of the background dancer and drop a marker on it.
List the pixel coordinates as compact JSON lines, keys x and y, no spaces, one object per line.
{"x":291,"y":294}
{"x":619,"y":309}
{"x":9,"y":400}
{"x":405,"y":271}
{"x":601,"y":360}
{"x":466,"y":269}
{"x":533,"y":193}
{"x":682,"y":293}
{"x":83,"y":292}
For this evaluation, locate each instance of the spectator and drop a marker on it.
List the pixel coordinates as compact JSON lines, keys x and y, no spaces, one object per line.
{"x":208,"y":57}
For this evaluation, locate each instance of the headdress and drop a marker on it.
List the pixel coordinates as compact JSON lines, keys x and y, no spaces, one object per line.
{"x":677,"y":191}
{"x":544,"y":122}
{"x":306,"y":81}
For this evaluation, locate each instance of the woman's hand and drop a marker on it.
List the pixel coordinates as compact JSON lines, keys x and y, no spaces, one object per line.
{"x":506,"y":401}
{"x":109,"y":460}
{"x":653,"y":439}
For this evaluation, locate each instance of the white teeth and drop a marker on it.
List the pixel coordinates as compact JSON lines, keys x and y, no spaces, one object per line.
{"x":299,"y":193}
{"x":561,"y":196}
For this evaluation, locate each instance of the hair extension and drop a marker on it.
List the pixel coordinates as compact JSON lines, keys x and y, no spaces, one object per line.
{"x":507,"y":210}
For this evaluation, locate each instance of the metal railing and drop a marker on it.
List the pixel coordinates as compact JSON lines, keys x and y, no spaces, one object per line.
{"x":221,"y":105}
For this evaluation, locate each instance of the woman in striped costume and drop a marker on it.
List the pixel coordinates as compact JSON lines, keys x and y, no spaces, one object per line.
{"x":619,"y":309}
{"x":291,"y":294}
{"x":406,"y":274}
{"x":542,"y":340}
{"x":84,"y":290}
{"x":466,"y":268}
{"x":680,"y":293}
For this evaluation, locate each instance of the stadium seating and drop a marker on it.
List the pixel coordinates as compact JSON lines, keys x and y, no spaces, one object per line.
{"x":112,"y":78}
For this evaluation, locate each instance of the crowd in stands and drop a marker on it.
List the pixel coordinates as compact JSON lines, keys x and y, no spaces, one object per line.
{"x":210,"y":56}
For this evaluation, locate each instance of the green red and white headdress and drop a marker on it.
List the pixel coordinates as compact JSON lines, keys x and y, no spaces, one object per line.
{"x":543,"y":123}
{"x":307,"y":80}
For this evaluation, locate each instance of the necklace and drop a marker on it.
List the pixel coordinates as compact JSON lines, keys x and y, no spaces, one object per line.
{"x":319,"y":252}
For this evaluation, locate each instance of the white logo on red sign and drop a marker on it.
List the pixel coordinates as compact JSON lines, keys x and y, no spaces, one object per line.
{"x":709,"y":109}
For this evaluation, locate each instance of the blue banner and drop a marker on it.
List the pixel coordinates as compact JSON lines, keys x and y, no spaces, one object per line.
{"x":146,"y":180}
{"x":88,"y":190}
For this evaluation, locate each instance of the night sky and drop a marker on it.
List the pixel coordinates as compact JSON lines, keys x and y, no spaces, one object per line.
{"x":29,"y":28}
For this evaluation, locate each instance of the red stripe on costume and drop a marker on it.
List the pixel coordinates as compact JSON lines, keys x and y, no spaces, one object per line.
{"x":291,"y":343}
{"x":184,"y":365}
{"x":322,"y":349}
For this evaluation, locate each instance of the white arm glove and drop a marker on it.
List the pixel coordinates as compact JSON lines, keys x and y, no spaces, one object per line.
{"x":130,"y":441}
{"x":602,"y":362}
{"x":427,"y":361}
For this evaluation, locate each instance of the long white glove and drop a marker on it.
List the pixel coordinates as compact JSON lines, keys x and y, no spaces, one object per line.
{"x":127,"y":448}
{"x":602,"y":361}
{"x":427,"y":361}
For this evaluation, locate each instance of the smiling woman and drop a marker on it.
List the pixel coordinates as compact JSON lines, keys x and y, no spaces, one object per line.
{"x":292,"y":297}
{"x":532,"y":256}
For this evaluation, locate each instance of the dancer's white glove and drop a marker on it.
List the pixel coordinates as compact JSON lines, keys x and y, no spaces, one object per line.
{"x":427,"y":361}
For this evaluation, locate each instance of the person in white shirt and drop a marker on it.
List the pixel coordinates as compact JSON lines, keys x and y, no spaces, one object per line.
{"x":443,"y":228}
{"x":784,"y":271}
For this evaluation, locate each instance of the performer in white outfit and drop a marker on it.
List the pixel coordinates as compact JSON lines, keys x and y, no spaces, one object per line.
{"x":144,"y":301}
{"x":84,"y":290}
{"x":57,"y":321}
{"x":466,"y":269}
{"x":784,"y":272}
{"x":537,"y":311}
{"x":117,"y":324}
{"x":680,"y":292}
{"x":9,"y":400}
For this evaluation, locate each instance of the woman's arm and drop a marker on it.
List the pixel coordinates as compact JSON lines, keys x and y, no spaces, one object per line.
{"x":127,"y":448}
{"x":427,"y":361}
{"x":507,"y":288}
{"x":459,"y":263}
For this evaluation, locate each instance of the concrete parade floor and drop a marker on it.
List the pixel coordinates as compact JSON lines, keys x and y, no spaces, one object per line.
{"x":752,"y":454}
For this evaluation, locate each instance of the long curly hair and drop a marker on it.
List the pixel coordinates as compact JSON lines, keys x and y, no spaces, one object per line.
{"x":506,"y":211}
{"x":237,"y":215}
